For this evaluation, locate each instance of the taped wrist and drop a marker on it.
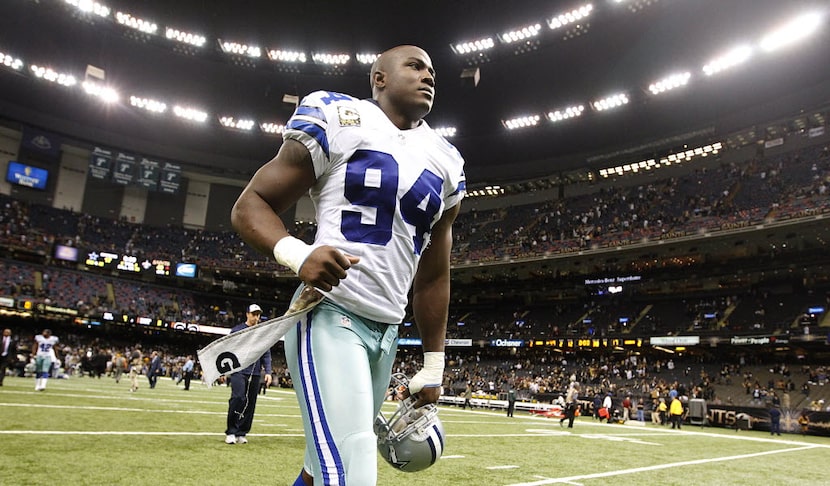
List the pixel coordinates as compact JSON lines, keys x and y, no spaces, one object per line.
{"x":292,"y":252}
{"x":431,"y":375}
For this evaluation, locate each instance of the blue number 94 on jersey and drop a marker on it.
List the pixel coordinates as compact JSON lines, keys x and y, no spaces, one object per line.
{"x":411,"y":439}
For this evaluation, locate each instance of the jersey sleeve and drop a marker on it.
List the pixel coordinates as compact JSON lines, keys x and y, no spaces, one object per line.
{"x":313,"y":124}
{"x":456,"y":186}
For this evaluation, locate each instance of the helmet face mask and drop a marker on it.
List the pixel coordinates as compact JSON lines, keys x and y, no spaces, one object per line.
{"x":411,"y":439}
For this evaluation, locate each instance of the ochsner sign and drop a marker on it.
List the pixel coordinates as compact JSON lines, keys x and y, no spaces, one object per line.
{"x":507,"y":343}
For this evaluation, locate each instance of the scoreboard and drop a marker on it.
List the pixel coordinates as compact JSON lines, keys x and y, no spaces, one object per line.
{"x":106,"y":260}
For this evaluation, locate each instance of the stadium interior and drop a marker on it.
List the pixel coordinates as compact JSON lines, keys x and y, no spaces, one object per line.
{"x":646,"y":179}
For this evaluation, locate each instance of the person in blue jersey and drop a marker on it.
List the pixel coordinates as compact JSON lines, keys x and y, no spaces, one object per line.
{"x":245,"y":386}
{"x":386,"y":189}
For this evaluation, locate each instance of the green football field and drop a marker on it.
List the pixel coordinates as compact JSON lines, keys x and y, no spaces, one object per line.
{"x":87,"y":431}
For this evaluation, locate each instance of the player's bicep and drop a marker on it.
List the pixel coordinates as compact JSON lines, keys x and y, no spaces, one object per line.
{"x":283,"y":180}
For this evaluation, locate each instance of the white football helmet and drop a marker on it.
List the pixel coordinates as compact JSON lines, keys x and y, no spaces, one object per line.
{"x":412,"y":439}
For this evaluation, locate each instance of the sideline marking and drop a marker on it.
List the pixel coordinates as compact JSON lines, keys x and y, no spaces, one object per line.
{"x":656,"y":467}
{"x":127,"y":432}
{"x":124,"y":409}
{"x":452,"y":457}
{"x":503,"y":467}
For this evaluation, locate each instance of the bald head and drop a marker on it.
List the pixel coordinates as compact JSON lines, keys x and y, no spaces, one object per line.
{"x":389,"y":58}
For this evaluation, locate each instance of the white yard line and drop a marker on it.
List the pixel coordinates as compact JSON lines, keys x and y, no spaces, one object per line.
{"x":657,"y":467}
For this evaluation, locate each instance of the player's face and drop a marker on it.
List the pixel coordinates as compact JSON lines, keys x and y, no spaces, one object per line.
{"x":410,"y":81}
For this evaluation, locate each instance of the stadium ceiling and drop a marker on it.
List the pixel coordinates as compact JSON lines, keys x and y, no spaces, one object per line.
{"x":602,"y":75}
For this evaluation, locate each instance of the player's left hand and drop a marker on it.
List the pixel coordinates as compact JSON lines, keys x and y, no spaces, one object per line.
{"x":268,"y":380}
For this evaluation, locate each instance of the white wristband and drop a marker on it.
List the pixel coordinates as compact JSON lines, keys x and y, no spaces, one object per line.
{"x":292,"y":252}
{"x":431,"y":375}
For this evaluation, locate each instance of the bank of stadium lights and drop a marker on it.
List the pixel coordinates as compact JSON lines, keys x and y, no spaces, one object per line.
{"x":522,"y":122}
{"x":474,"y":46}
{"x":330,"y":59}
{"x":52,"y":76}
{"x":791,"y":32}
{"x":271,"y":127}
{"x":286,"y":56}
{"x":104,"y":93}
{"x":486,"y":191}
{"x":189,"y":38}
{"x":732,"y":58}
{"x":566,"y":18}
{"x":520,"y":34}
{"x":188,"y":113}
{"x":446,"y":132}
{"x":10,"y":61}
{"x":148,"y":104}
{"x":243,"y":124}
{"x":239,"y":49}
{"x":610,"y":102}
{"x":140,"y":25}
{"x":90,"y":7}
{"x":566,"y":113}
{"x":366,"y":58}
{"x":670,"y":159}
{"x":670,"y":82}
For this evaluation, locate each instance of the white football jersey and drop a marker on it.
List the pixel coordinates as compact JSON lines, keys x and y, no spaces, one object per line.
{"x":378,"y":193}
{"x":45,"y":345}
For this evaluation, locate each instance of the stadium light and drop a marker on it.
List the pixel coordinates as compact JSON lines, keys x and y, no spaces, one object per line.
{"x":330,"y":59}
{"x":89,"y":6}
{"x":366,"y":58}
{"x":197,"y":40}
{"x":670,"y":159}
{"x":192,"y":114}
{"x":522,"y":122}
{"x":609,"y":102}
{"x":731,"y":59}
{"x":286,"y":56}
{"x":565,"y":113}
{"x":148,"y":104}
{"x":271,"y":127}
{"x":473,"y":46}
{"x":446,"y":132}
{"x":566,"y":18}
{"x":243,"y":124}
{"x":10,"y":61}
{"x":52,"y":76}
{"x":791,"y":32}
{"x":239,"y":49}
{"x":140,"y":25}
{"x":669,"y":83}
{"x":520,"y":34}
{"x":105,"y":93}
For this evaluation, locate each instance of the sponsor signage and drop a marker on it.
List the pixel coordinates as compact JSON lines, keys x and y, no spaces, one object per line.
{"x":675,"y":341}
{"x":507,"y":343}
{"x":758,"y":340}
{"x":613,"y":280}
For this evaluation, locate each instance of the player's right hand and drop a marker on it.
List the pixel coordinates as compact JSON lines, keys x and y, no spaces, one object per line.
{"x":325,"y":267}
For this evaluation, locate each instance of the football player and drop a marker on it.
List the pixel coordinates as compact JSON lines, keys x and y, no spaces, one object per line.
{"x":386,"y":189}
{"x":44,"y":351}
